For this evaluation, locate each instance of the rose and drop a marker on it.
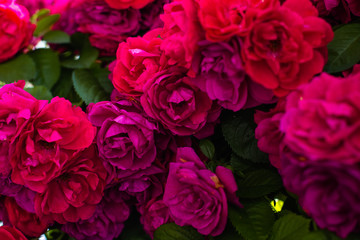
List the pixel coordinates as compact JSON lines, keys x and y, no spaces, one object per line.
{"x":34,"y":5}
{"x":15,"y":29}
{"x":125,"y":137}
{"x":173,"y":100}
{"x":338,"y":9}
{"x":195,"y":196}
{"x":107,"y":221}
{"x":279,"y":52}
{"x":220,"y":19}
{"x":107,"y":26}
{"x":221,"y":76}
{"x":181,"y":33}
{"x":268,"y":132}
{"x":321,"y":121}
{"x":101,"y":21}
{"x":28,"y":223}
{"x":122,"y":4}
{"x":150,"y":15}
{"x":8,"y":233}
{"x":154,"y":214}
{"x":143,"y":184}
{"x":74,"y":194}
{"x":328,"y":191}
{"x":138,"y":59}
{"x":16,"y":108}
{"x":48,"y":141}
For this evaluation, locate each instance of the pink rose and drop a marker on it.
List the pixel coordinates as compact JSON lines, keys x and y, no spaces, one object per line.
{"x":124,"y":4}
{"x":74,"y":194}
{"x":138,"y":59}
{"x":15,"y":29}
{"x":285,"y":46}
{"x":48,"y":141}
{"x":196,"y":196}
{"x":172,"y":99}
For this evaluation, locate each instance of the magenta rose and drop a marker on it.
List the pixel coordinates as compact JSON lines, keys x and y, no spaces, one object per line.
{"x":143,"y":184}
{"x":338,"y":9}
{"x":150,"y":15}
{"x":106,"y":26}
{"x":74,"y":194}
{"x":328,"y":191}
{"x":268,"y":132}
{"x":48,"y":142}
{"x":196,"y":196}
{"x":181,"y":33}
{"x":125,"y":137}
{"x":34,"y":5}
{"x":173,"y":100}
{"x":154,"y":214}
{"x":138,"y":59}
{"x":279,"y":52}
{"x":107,"y":221}
{"x":222,"y":77}
{"x":125,"y":4}
{"x":321,"y":120}
{"x":15,"y":29}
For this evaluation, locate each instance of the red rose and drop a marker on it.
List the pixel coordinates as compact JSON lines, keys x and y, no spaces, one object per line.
{"x":73,"y":195}
{"x":15,"y":29}
{"x":138,"y":59}
{"x":8,"y":233}
{"x":285,"y":46}
{"x":123,"y":4}
{"x":49,"y":141}
{"x":182,"y":32}
{"x":28,"y":223}
{"x":172,"y":99}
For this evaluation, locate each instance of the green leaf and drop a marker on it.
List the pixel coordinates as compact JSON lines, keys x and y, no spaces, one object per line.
{"x":87,"y":87}
{"x":228,"y":234}
{"x":239,"y":164}
{"x":171,"y":231}
{"x":63,"y":87}
{"x":88,"y":54}
{"x":290,"y":227}
{"x":56,"y":36}
{"x":48,"y":67}
{"x":259,"y":183}
{"x":133,"y":229}
{"x":344,"y":48}
{"x":40,"y":92}
{"x":44,"y":24}
{"x":207,"y":148}
{"x":239,"y":132}
{"x":102,"y":75}
{"x":254,"y":221}
{"x":39,"y":14}
{"x":18,"y":68}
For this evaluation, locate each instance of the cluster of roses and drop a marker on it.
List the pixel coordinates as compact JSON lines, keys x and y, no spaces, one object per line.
{"x":312,"y":138}
{"x":86,"y":171}
{"x":107,"y":22}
